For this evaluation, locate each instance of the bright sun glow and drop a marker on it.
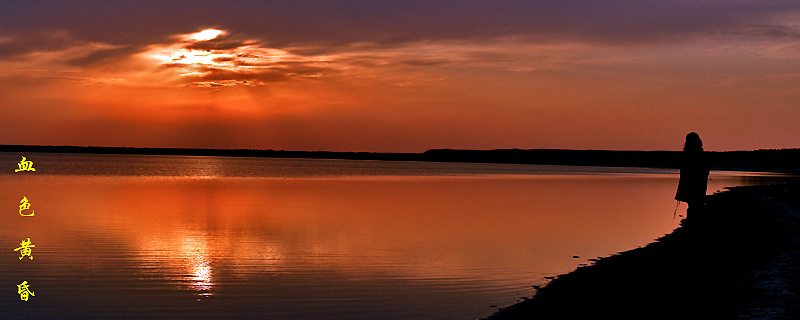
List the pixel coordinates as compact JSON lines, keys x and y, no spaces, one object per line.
{"x":195,"y":254}
{"x":248,"y":57}
{"x":205,"y":35}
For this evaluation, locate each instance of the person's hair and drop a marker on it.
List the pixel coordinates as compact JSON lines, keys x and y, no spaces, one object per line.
{"x":693,"y":143}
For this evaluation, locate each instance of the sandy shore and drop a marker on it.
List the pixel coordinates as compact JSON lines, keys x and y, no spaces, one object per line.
{"x":739,"y":258}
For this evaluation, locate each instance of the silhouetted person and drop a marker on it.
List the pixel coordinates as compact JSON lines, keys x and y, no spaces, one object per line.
{"x":694,"y":174}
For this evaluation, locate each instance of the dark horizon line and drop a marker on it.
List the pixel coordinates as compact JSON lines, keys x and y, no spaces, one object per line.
{"x":783,"y":160}
{"x":778,"y":160}
{"x":5,"y":146}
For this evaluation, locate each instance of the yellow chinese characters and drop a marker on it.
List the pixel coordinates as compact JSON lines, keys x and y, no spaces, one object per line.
{"x":25,"y":165}
{"x":26,"y":249}
{"x":24,"y":205}
{"x":24,"y":290}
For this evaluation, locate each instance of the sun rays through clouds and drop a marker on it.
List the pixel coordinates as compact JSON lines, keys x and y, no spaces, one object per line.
{"x":213,"y":58}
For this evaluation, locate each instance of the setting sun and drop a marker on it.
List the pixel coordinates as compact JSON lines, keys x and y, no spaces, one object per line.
{"x":205,"y":35}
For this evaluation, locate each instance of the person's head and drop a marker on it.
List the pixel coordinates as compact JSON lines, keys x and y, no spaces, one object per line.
{"x":693,"y":142}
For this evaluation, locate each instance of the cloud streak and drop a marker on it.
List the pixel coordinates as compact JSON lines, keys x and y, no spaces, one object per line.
{"x":342,"y":22}
{"x":220,"y":58}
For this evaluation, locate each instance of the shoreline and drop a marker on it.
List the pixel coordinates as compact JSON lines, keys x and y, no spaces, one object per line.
{"x":740,"y":258}
{"x":765,"y":160}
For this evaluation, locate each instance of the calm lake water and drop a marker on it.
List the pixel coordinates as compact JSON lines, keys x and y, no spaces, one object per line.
{"x":179,"y":237}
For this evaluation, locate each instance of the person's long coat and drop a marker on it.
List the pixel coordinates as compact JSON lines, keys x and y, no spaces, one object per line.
{"x":694,"y":178}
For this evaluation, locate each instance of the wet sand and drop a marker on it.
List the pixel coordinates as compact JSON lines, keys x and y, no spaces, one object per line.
{"x":738,"y":258}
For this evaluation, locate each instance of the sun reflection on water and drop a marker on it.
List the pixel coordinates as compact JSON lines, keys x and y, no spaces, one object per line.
{"x":197,"y":263}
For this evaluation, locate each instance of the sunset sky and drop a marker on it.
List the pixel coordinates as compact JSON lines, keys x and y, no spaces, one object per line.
{"x":401,"y":76}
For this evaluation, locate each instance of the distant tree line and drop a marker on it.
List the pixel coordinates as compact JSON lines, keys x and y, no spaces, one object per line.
{"x":783,"y":160}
